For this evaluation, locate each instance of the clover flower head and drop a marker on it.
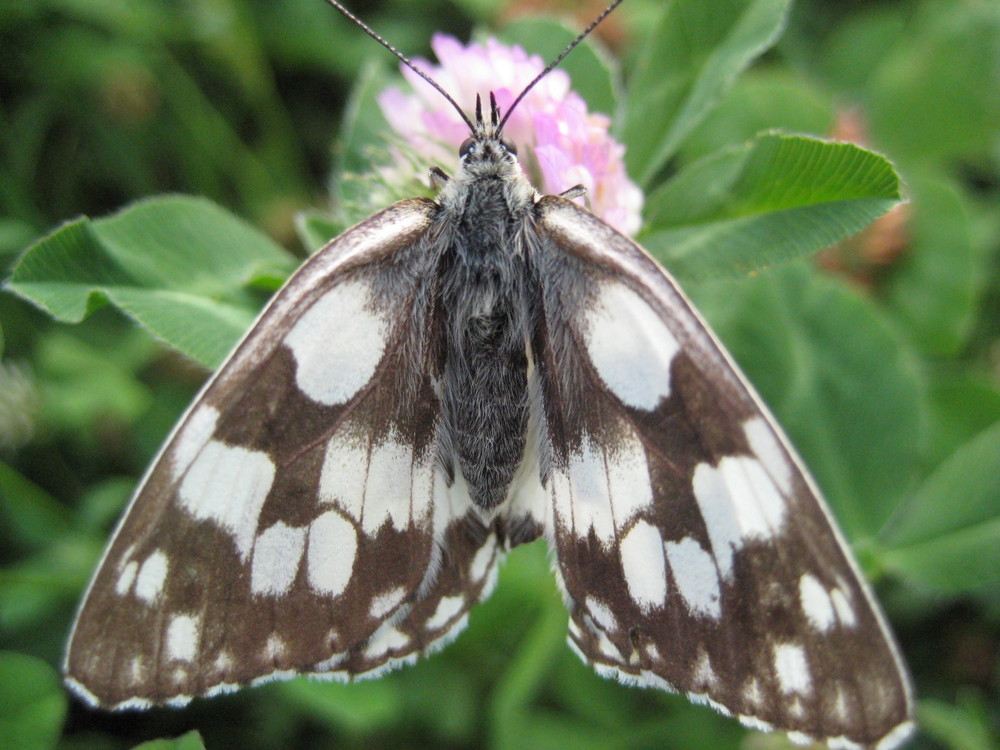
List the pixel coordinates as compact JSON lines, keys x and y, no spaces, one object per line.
{"x":560,"y":144}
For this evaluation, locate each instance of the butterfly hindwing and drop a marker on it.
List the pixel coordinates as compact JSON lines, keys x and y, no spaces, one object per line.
{"x":296,"y":520}
{"x":694,"y":550}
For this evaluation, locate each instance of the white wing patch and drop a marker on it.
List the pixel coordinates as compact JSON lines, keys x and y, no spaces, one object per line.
{"x":792,"y":669}
{"x":197,"y":432}
{"x":602,"y":615}
{"x":845,"y":612}
{"x":345,"y":469}
{"x":703,"y":676}
{"x":482,"y":559}
{"x":628,"y":478}
{"x":447,"y":609}
{"x":609,"y":485}
{"x":333,"y":546}
{"x":228,"y":485}
{"x":387,"y":638}
{"x":630,"y":346}
{"x":385,"y":603}
{"x":182,"y":637}
{"x":816,"y":603}
{"x":126,"y":578}
{"x":562,"y":499}
{"x":528,"y":496}
{"x":152,"y":575}
{"x":276,"y":557}
{"x":738,"y":502}
{"x":389,"y":484}
{"x":764,"y":444}
{"x":696,"y":576}
{"x":386,"y":482}
{"x":591,"y":496}
{"x":337,"y":344}
{"x":644,"y":565}
{"x":450,"y":503}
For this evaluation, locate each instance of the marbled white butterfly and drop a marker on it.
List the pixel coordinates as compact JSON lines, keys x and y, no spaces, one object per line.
{"x":446,"y":380}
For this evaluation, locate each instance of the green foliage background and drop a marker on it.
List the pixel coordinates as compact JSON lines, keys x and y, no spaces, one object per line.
{"x":886,"y":372}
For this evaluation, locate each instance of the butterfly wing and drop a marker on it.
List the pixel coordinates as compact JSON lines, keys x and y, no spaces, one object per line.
{"x":694,"y":550}
{"x":301,"y":486}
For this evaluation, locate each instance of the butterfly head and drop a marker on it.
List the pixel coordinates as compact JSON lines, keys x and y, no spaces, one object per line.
{"x":489,"y":160}
{"x":486,"y":151}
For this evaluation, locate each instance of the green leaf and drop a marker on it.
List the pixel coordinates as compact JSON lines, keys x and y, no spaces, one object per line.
{"x":962,"y":727}
{"x":32,"y":703}
{"x":360,"y":707}
{"x":960,"y":406}
{"x":936,"y":95}
{"x":362,"y":145}
{"x":837,"y":377}
{"x":522,"y":680}
{"x":687,"y":64}
{"x":83,"y":385}
{"x":27,"y":512}
{"x":592,"y":74}
{"x":311,"y":35}
{"x":20,"y":402}
{"x":934,"y":290}
{"x":34,"y":591}
{"x":775,"y":198}
{"x":144,"y":20}
{"x":179,"y":266}
{"x":190,"y":741}
{"x":551,"y":730}
{"x":14,"y":235}
{"x":316,"y":228}
{"x":103,"y":502}
{"x":762,"y":100}
{"x":596,"y":700}
{"x":948,"y":540}
{"x":451,"y":707}
{"x":857,"y":45}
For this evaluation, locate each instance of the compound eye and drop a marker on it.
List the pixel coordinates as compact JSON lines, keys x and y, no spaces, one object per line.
{"x":509,"y":145}
{"x":465,"y":148}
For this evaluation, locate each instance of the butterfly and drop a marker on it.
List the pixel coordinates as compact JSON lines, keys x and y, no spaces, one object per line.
{"x":444,"y":381}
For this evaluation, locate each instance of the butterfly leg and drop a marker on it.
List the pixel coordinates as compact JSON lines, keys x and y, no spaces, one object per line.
{"x":439,"y":178}
{"x":577,"y":191}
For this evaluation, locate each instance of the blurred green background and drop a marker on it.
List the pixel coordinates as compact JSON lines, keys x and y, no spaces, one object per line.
{"x":881,"y":355}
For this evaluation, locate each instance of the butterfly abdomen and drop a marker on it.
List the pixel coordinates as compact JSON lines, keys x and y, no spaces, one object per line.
{"x":485,"y":409}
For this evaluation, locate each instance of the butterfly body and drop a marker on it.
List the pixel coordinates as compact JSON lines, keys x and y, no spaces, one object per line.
{"x":448,"y":379}
{"x":487,"y":307}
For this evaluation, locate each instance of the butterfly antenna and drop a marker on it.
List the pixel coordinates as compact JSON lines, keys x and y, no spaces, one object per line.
{"x":569,"y":48}
{"x":408,"y":63}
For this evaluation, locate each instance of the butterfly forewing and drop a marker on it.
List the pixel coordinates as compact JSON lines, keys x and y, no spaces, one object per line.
{"x":310,"y":456}
{"x":693,"y":548}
